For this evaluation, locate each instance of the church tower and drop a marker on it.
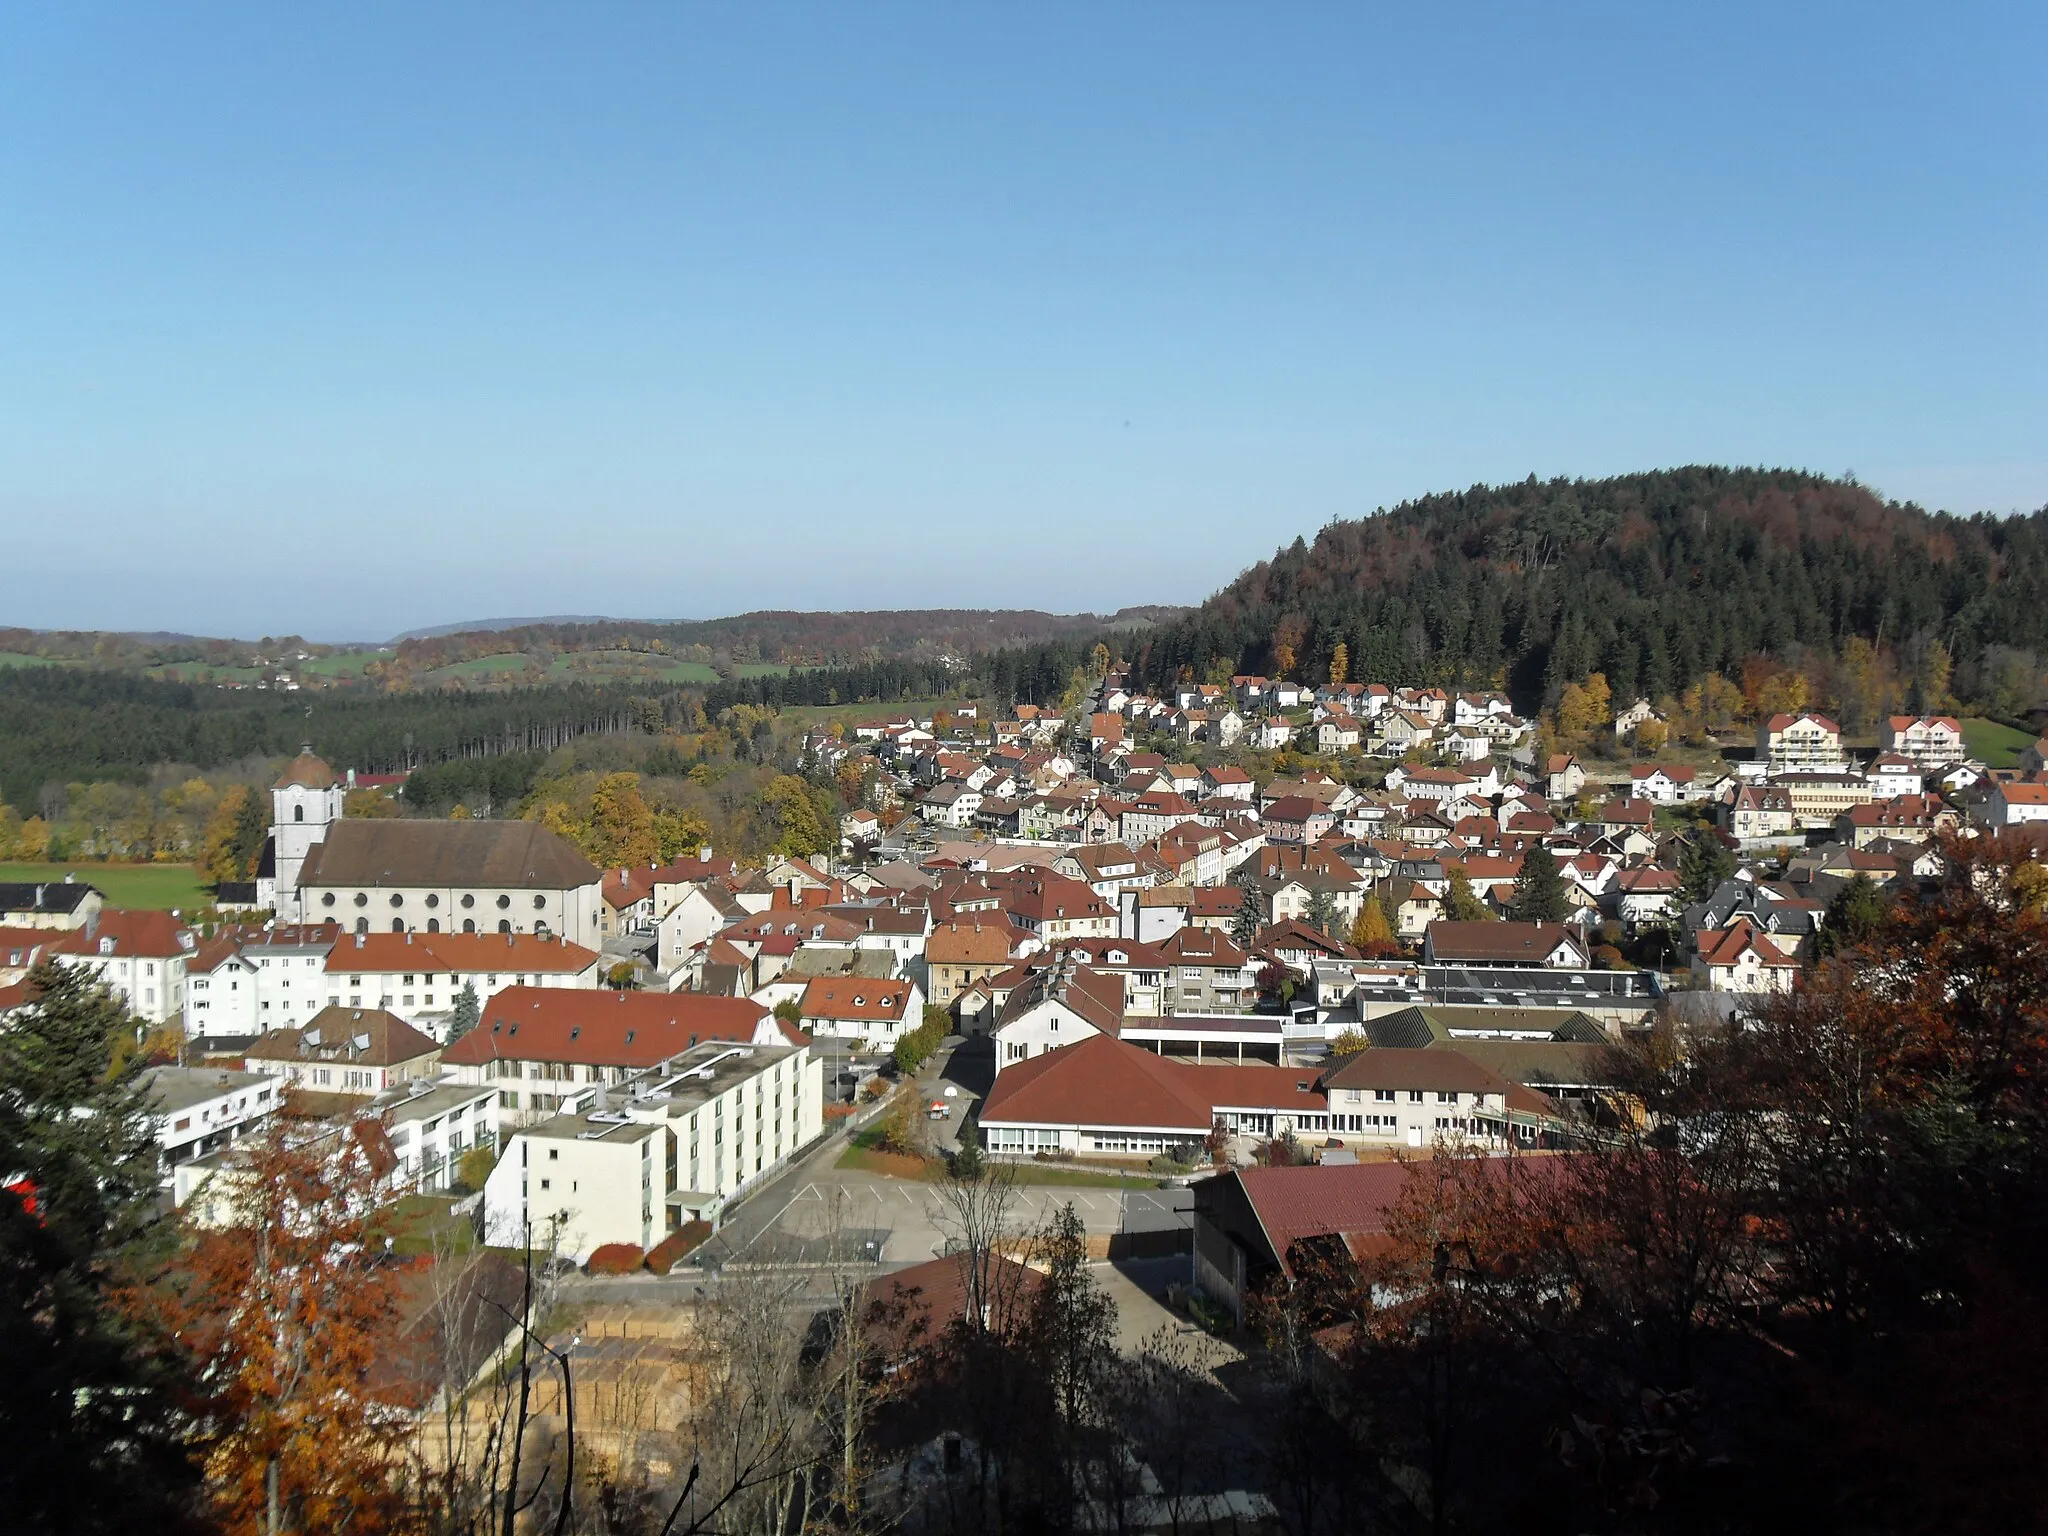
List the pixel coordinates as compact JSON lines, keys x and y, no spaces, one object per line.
{"x":304,"y":802}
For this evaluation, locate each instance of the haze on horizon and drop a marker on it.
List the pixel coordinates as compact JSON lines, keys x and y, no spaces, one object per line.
{"x":350,"y":323}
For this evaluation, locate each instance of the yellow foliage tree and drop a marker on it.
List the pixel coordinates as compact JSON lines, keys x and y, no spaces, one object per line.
{"x":621,"y":826}
{"x":1340,"y":664}
{"x":1652,"y":735}
{"x":1370,"y":929}
{"x":1584,"y":707}
{"x":32,"y":842}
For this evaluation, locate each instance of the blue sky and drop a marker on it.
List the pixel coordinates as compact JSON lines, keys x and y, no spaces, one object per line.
{"x":346,"y":320}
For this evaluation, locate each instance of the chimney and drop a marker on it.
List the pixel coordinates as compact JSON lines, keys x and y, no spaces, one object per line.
{"x":360,"y":938}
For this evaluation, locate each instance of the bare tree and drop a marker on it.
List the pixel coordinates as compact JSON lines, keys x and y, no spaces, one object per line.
{"x":974,"y":1213}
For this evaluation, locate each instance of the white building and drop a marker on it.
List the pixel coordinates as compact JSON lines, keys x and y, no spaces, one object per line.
{"x":141,"y":956}
{"x":431,"y":1126}
{"x":304,"y":802}
{"x":200,"y":1110}
{"x":632,"y":1163}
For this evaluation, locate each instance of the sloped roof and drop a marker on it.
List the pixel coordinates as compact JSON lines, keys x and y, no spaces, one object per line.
{"x":1100,"y":1081}
{"x":966,"y":941}
{"x":508,"y":855}
{"x":486,"y":952}
{"x":858,"y":998}
{"x":330,"y":1035}
{"x":1504,"y":943}
{"x":1091,"y":995}
{"x":600,"y":1028}
{"x":1335,"y":1200}
{"x":1439,"y":1068}
{"x":150,"y":935}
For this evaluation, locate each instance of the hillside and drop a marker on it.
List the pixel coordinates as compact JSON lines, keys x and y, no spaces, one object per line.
{"x":1656,"y":579}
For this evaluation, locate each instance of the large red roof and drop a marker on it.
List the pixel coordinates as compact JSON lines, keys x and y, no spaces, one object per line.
{"x":600,"y":1028}
{"x":486,"y":952}
{"x":1103,"y":1081}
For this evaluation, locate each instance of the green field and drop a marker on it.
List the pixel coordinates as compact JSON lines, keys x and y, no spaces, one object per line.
{"x":139,"y":887}
{"x":18,"y":659}
{"x":1994,"y":745}
{"x":344,"y":663}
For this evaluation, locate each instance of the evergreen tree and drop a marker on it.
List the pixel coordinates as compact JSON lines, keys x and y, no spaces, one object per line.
{"x":1539,"y":890}
{"x":1704,"y":865}
{"x":1853,"y":917}
{"x":84,"y":1398}
{"x":468,"y":1010}
{"x":1251,"y":917}
{"x":1322,"y":912}
{"x":252,"y":830}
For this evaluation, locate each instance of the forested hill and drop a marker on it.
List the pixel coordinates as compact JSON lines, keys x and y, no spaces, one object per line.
{"x":1655,"y":579}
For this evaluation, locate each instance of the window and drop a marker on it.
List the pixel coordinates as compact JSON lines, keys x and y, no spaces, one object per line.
{"x":547,"y":1183}
{"x":503,"y":926}
{"x":469,"y":925}
{"x":468,"y":901}
{"x":433,"y":901}
{"x":1383,"y":1095}
{"x":362,"y":900}
{"x":540,"y":903}
{"x":398,"y":925}
{"x":1447,"y":1098}
{"x":1414,"y":1095}
{"x":325,"y":901}
{"x":504,"y":902}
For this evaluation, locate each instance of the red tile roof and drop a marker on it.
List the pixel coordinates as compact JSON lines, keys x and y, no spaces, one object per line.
{"x":859,"y":998}
{"x":1103,"y":1081}
{"x":600,"y":1028}
{"x":151,"y":935}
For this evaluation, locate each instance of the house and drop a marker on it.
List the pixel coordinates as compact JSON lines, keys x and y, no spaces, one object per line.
{"x":1646,"y":895}
{"x":66,"y":903}
{"x":1054,"y":1005}
{"x":2012,"y":804}
{"x":966,"y":950}
{"x":1929,"y":742}
{"x":1758,"y":813}
{"x":140,"y":956}
{"x":1224,"y":782}
{"x":1903,"y":819}
{"x":1638,"y":714}
{"x":1297,"y":819}
{"x":861,"y":1008}
{"x":536,"y":1046}
{"x":1741,"y":959}
{"x":1890,"y":775}
{"x":1804,"y":740}
{"x":1485,"y":943}
{"x":198,"y":1111}
{"x":1662,"y":783}
{"x":1563,"y":778}
{"x":674,"y":1144}
{"x":359,"y":1051}
{"x":1338,"y":733}
{"x":1818,"y":798}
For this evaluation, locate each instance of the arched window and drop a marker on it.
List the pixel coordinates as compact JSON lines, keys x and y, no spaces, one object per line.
{"x":398,"y":925}
{"x":469,"y":925}
{"x":362,"y":925}
{"x":298,"y":813}
{"x":503,"y":926}
{"x":433,"y":925}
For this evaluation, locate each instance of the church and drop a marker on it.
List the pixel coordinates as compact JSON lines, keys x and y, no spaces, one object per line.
{"x":403,"y":876}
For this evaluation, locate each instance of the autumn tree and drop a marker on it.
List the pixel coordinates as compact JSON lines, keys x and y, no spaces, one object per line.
{"x":288,"y":1315}
{"x":621,"y":825}
{"x":86,"y":1398}
{"x":801,"y":827}
{"x":1372,"y":932}
{"x":1584,"y":707}
{"x":1340,"y":664}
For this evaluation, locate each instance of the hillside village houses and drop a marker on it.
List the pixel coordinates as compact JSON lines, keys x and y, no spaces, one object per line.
{"x":1146,"y":928}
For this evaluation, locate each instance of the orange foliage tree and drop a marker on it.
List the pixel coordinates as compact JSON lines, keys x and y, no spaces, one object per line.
{"x":288,"y":1308}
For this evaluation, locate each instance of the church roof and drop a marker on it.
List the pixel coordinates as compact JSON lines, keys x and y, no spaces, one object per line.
{"x":307,"y":772}
{"x":506,"y":855}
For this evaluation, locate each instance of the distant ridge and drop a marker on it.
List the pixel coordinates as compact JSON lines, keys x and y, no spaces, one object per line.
{"x":493,"y":626}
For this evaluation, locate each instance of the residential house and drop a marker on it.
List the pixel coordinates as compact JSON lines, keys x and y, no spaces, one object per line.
{"x":2011,"y":803}
{"x":1055,"y":1004}
{"x":861,"y":1008}
{"x":1801,"y":741}
{"x":1741,"y":959}
{"x":359,"y":1051}
{"x":198,"y":1111}
{"x":1758,"y":813}
{"x":140,"y":956}
{"x":1903,"y":819}
{"x":1929,"y":742}
{"x":66,"y":903}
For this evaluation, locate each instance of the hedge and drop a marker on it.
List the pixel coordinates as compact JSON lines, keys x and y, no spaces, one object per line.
{"x":666,"y":1254}
{"x":614,"y":1259}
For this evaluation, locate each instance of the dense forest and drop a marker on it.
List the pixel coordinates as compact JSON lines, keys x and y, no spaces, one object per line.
{"x":63,"y":724}
{"x":1656,"y":580}
{"x":794,"y":639}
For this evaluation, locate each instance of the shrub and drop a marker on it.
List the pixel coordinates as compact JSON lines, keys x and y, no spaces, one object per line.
{"x":475,"y":1167}
{"x":1608,"y":958}
{"x":614,"y":1259}
{"x":671,"y":1250}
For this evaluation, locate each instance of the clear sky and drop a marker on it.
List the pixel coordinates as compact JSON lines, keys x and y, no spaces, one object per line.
{"x":347,"y":319}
